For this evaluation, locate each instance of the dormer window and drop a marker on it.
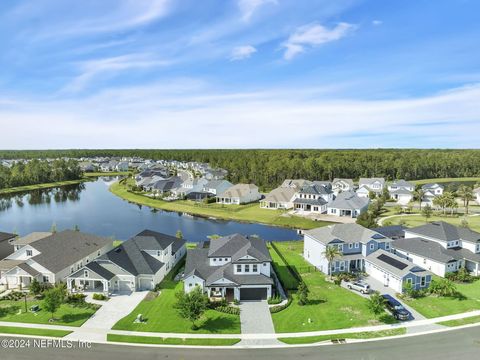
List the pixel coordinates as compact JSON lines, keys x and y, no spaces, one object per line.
{"x":372,"y":246}
{"x":226,"y":259}
{"x":85,"y":274}
{"x":254,"y":268}
{"x":239,"y":268}
{"x":29,"y":252}
{"x":247,"y":268}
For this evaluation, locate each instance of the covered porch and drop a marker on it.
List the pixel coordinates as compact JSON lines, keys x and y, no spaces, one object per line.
{"x":217,"y":293}
{"x":88,"y":285}
{"x":20,"y":277}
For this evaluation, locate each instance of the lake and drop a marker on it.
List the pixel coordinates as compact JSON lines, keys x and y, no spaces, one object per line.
{"x":95,"y":210}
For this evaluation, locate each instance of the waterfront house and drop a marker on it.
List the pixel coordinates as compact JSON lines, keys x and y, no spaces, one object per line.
{"x":216,"y":187}
{"x":239,"y":194}
{"x":138,"y":264}
{"x":6,"y":244}
{"x":349,"y":204}
{"x":232,"y":267}
{"x":313,"y":198}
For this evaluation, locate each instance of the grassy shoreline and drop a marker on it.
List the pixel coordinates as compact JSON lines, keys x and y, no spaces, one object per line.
{"x":246,"y":213}
{"x":42,"y":186}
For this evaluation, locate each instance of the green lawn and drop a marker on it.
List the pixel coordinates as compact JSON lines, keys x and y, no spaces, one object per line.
{"x":331,"y":307}
{"x":41,"y":186}
{"x":171,"y":341}
{"x":111,"y":173}
{"x":447,"y":180}
{"x":460,"y":322}
{"x":33,"y":331}
{"x":417,"y":220}
{"x":161,"y":316}
{"x":248,"y":213}
{"x":359,"y":335}
{"x":14,"y":311}
{"x":431,"y":306}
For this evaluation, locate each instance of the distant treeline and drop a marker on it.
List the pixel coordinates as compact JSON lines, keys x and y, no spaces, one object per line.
{"x":39,"y":172}
{"x":268,"y":168}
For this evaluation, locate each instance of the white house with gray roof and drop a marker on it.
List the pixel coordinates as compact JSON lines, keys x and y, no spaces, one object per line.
{"x":348,"y":203}
{"x":401,"y":191}
{"x":232,"y":267}
{"x":313,"y":198}
{"x":340,"y":185}
{"x":239,"y":194}
{"x":367,"y":185}
{"x":360,"y":250}
{"x":441,"y":248}
{"x":50,"y":258}
{"x":216,"y":187}
{"x":137,"y":264}
{"x":430,"y":192}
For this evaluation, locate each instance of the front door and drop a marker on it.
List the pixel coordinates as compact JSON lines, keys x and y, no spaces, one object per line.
{"x":229,"y":294}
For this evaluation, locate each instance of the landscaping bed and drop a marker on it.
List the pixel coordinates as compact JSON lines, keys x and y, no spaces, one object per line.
{"x":170,"y":341}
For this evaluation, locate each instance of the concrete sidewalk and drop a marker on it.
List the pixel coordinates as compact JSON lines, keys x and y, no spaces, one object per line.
{"x":255,"y":318}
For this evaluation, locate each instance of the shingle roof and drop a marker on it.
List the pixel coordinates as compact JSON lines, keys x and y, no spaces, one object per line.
{"x":238,"y":190}
{"x":319,"y":201}
{"x":431,"y":186}
{"x":348,"y":233}
{"x":427,"y":249}
{"x":237,"y":246}
{"x":60,"y":250}
{"x":402,"y":183}
{"x":280,"y":194}
{"x":348,"y":200}
{"x":100,"y":270}
{"x":6,"y":236}
{"x":32,"y":237}
{"x":446,"y":232}
{"x":28,"y":269}
{"x":393,"y":231}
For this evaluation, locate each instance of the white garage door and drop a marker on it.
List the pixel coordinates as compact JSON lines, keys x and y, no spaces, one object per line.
{"x":384,"y":277}
{"x":124,"y":286}
{"x":146,"y":284}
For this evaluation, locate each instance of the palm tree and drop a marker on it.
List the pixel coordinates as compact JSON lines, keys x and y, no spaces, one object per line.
{"x":466,"y":194}
{"x":419,"y":195}
{"x":331,"y":253}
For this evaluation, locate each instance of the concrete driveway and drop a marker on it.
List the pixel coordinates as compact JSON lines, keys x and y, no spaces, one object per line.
{"x":116,"y":308}
{"x":376,"y":285}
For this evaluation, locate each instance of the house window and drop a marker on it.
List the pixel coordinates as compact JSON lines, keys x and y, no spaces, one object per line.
{"x":98,"y":253}
{"x":159,"y":253}
{"x":424,"y":261}
{"x":190,"y":285}
{"x":214,"y":260}
{"x":239,"y":268}
{"x":85,"y":274}
{"x":342,"y":266}
{"x":423,"y":281}
{"x":72,"y":270}
{"x":254,"y":268}
{"x":247,"y":268}
{"x":45,"y":279}
{"x":409,"y":281}
{"x":357,"y":245}
{"x":372,"y":246}
{"x":29,"y":253}
{"x":387,"y":246}
{"x":350,"y":246}
{"x":226,"y":259}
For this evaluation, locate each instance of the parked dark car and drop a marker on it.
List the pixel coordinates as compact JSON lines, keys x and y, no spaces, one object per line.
{"x":397,"y":309}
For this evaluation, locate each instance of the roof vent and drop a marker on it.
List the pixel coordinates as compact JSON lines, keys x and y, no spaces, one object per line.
{"x":118,"y":249}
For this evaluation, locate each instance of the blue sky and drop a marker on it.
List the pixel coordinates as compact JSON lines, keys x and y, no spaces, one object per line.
{"x":239,"y":73}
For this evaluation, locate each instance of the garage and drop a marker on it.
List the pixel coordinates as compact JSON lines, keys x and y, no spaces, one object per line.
{"x":146,"y":284}
{"x":124,"y":286}
{"x":253,"y":293}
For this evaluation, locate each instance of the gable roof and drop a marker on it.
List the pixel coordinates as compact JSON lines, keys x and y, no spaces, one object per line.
{"x":443,"y":231}
{"x":294,"y":183}
{"x":347,"y":233}
{"x":431,"y":186}
{"x":394,"y":264}
{"x":6,"y":236}
{"x":238,"y":190}
{"x":32,"y":237}
{"x":370,"y":181}
{"x":426,"y":248}
{"x":346,"y":181}
{"x":402,"y":183}
{"x":62,"y":249}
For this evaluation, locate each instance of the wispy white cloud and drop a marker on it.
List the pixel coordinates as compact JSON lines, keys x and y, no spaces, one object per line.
{"x":138,"y":117}
{"x":248,"y":7}
{"x":314,"y":35}
{"x":94,"y":68}
{"x":377,"y":22}
{"x":242,"y":52}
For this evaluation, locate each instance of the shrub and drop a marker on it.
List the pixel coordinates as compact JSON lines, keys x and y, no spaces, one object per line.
{"x":443,"y":287}
{"x":462,"y":276}
{"x":75,"y":299}
{"x":99,"y":296}
{"x":236,"y":301}
{"x":275,"y":300}
{"x":228,"y":310}
{"x":278,"y":308}
{"x":217,"y":303}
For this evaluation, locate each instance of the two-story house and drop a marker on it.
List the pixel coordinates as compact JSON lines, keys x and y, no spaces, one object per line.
{"x":367,"y":185}
{"x":361,"y":249}
{"x":50,"y":258}
{"x":441,"y":248}
{"x":401,"y":191}
{"x":430,"y":192}
{"x":283,"y":196}
{"x":313,"y":198}
{"x":138,"y":264}
{"x":232,"y":267}
{"x":340,"y":185}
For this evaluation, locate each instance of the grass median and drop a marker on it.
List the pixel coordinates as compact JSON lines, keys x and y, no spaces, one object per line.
{"x":170,"y":341}
{"x":359,"y":335}
{"x":33,"y":331}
